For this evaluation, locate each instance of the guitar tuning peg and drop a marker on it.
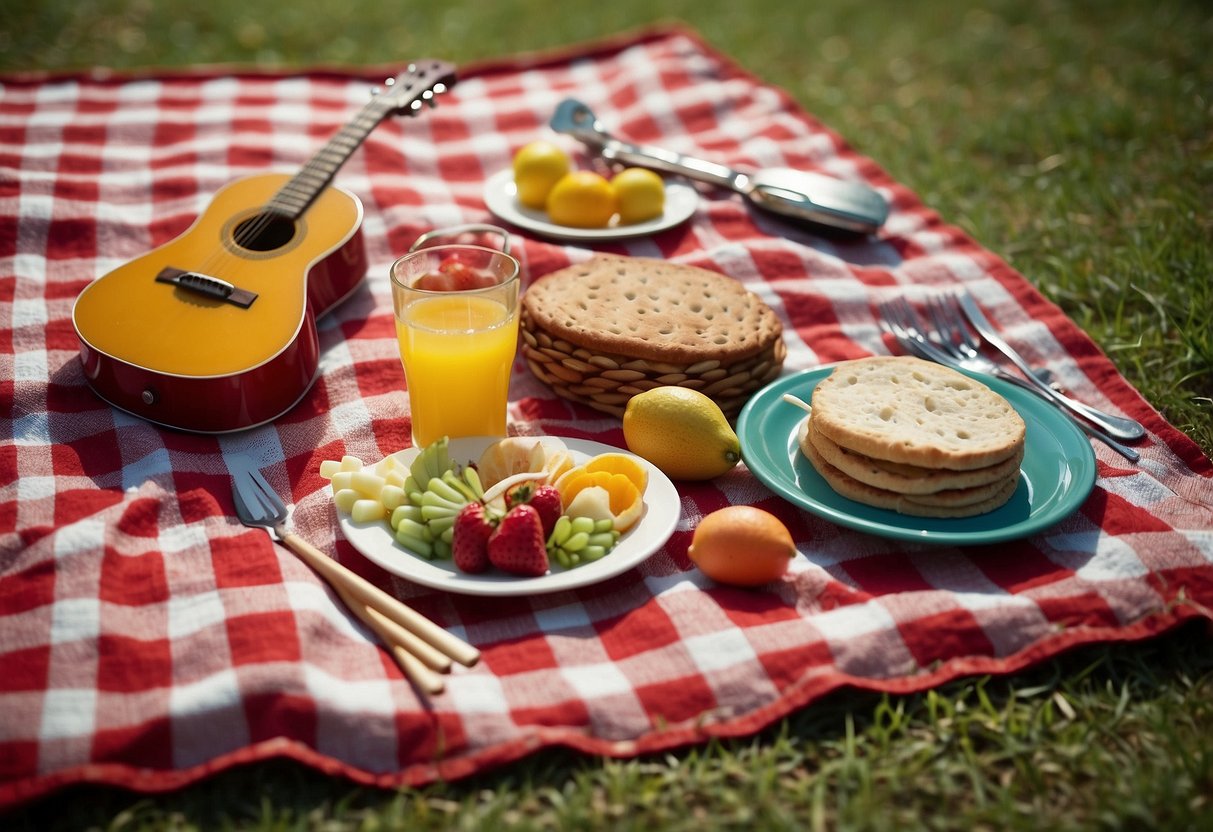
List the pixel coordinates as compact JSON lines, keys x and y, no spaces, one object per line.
{"x":375,"y":91}
{"x":389,"y":82}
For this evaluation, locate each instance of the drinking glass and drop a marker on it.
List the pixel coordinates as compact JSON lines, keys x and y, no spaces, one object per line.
{"x":457,"y":338}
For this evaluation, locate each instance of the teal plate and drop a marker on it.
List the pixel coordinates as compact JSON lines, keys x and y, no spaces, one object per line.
{"x":1057,"y":473}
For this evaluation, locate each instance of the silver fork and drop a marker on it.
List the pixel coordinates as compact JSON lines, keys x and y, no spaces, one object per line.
{"x":962,"y":343}
{"x":956,"y":338}
{"x":419,"y":645}
{"x":952,"y":314}
{"x":899,"y":319}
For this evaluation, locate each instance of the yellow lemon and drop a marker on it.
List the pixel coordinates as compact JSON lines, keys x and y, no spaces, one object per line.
{"x":581,"y":199}
{"x":741,"y":546}
{"x":538,"y":166}
{"x":641,"y":195}
{"x":682,"y":432}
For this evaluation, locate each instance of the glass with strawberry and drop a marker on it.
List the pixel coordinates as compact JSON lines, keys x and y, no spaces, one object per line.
{"x":456,"y":311}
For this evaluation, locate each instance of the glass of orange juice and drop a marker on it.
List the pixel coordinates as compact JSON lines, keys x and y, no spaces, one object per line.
{"x":457,"y":327}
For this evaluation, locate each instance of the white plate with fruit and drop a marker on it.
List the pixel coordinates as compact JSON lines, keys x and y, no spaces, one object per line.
{"x":648,"y":516}
{"x":502,"y":198}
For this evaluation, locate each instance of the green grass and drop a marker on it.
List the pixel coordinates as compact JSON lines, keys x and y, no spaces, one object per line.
{"x":1075,"y":139}
{"x":1101,"y":739}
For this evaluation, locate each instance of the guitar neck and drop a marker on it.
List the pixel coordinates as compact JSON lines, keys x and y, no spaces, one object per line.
{"x":405,"y":93}
{"x":301,"y":190}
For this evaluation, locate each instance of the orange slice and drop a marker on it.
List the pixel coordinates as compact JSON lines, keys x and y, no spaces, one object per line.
{"x":620,"y":463}
{"x":561,"y":481}
{"x":625,"y":499}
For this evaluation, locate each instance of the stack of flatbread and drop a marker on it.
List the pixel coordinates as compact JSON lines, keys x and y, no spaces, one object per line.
{"x":915,"y":437}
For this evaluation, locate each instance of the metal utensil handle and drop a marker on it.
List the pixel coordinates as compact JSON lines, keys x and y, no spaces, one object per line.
{"x":1091,"y":430}
{"x":577,"y":120}
{"x":1082,"y":424}
{"x":1117,"y":426}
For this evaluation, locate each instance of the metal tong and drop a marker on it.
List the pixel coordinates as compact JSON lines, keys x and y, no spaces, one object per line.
{"x":797,"y":194}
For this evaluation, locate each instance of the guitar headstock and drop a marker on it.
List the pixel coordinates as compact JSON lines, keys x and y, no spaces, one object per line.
{"x":417,"y":86}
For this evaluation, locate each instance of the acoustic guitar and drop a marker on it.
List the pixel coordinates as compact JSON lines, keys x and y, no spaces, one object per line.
{"x":215,"y":331}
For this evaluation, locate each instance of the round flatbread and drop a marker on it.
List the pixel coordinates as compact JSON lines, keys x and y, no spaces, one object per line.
{"x":909,"y":479}
{"x":909,"y":411}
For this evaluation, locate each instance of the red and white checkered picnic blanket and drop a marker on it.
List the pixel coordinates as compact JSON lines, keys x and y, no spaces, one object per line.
{"x":147,"y":639}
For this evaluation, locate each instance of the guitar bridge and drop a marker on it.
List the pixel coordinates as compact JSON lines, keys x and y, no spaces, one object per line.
{"x":206,"y":285}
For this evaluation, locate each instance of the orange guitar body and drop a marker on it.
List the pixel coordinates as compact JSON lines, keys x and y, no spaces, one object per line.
{"x":215,"y":331}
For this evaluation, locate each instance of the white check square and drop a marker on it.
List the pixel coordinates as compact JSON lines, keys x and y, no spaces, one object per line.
{"x":721,"y":650}
{"x":68,"y":713}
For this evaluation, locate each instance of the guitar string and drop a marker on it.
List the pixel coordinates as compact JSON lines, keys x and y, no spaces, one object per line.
{"x":223,"y":262}
{"x":372,"y":114}
{"x":222,"y":259}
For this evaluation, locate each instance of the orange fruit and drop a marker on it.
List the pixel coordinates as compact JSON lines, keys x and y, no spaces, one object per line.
{"x":581,"y":199}
{"x":538,"y":166}
{"x":742,"y":546}
{"x":620,"y":463}
{"x":564,"y":478}
{"x":625,"y":498}
{"x":641,"y":195}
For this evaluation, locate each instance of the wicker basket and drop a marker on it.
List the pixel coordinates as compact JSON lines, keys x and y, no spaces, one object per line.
{"x":606,"y":381}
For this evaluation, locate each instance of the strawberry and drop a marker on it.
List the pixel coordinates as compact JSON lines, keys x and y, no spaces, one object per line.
{"x":454,"y":259}
{"x":435,"y":282}
{"x":463,"y":275}
{"x":517,"y":545}
{"x":453,"y":275}
{"x":545,"y":499}
{"x":470,"y":538}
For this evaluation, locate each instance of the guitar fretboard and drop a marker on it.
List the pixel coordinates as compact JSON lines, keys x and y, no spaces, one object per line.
{"x":301,"y":190}
{"x":297,"y":194}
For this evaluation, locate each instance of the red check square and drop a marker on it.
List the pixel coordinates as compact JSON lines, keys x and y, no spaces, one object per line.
{"x":263,"y":637}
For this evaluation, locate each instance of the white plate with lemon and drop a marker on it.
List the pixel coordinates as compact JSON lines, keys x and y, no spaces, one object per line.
{"x":662,"y":509}
{"x":501,"y":197}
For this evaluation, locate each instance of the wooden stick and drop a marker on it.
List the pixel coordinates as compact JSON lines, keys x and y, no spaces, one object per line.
{"x":420,"y":675}
{"x":372,"y":596}
{"x":392,"y":633}
{"x":414,"y":669}
{"x":799,"y":402}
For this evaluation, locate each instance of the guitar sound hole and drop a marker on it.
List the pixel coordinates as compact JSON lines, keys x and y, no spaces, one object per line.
{"x":264,"y":232}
